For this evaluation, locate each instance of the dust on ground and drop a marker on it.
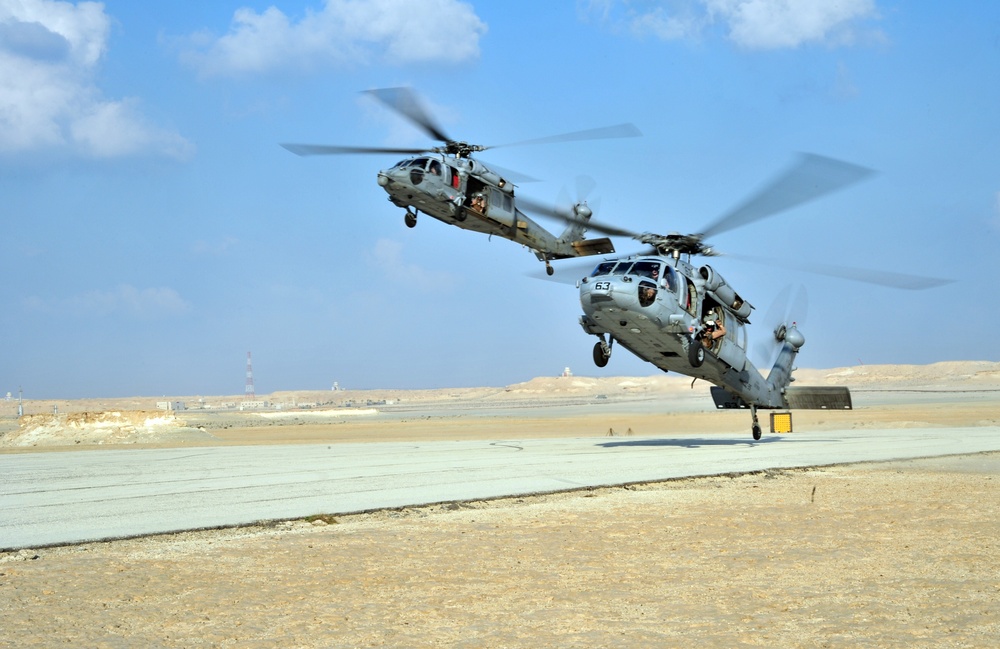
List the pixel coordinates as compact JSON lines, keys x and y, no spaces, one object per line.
{"x":903,"y":554}
{"x":899,"y":396}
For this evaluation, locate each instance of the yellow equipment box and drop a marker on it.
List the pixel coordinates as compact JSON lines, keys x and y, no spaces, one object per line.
{"x":781,"y":422}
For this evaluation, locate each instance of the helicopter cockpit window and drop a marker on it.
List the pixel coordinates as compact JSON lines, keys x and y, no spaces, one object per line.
{"x":670,"y":278}
{"x":417,"y":166}
{"x":434,"y":167}
{"x":622,"y":269}
{"x":603,"y":269}
{"x":649,"y":269}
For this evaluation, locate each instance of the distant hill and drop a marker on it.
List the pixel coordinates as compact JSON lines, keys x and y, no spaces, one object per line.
{"x":951,"y":375}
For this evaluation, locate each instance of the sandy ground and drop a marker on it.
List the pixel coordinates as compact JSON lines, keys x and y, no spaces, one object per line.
{"x":881,"y":555}
{"x":892,"y":555}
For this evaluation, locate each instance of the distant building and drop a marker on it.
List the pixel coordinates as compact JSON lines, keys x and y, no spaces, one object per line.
{"x":170,"y":405}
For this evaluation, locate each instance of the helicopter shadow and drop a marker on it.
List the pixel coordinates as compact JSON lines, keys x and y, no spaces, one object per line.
{"x":691,"y":443}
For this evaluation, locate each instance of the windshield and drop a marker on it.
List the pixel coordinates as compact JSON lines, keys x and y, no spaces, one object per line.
{"x":649,"y":269}
{"x":603,"y":269}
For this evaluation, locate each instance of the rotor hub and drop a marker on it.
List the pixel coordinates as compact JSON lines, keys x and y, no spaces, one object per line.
{"x":459,"y":149}
{"x":677,"y":244}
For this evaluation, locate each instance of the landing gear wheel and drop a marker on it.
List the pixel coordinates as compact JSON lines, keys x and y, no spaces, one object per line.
{"x":461,"y":215}
{"x":600,"y":355}
{"x":756,"y":424}
{"x":410,"y":219}
{"x":549,"y":269}
{"x":696,"y":353}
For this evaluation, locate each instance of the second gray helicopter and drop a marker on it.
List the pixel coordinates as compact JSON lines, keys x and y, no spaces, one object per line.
{"x":447,"y":183}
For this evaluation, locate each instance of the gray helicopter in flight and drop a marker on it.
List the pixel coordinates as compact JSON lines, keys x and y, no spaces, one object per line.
{"x":686,"y":318}
{"x":447,"y":183}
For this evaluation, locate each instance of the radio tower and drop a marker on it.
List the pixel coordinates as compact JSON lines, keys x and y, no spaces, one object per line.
{"x":249,"y":396}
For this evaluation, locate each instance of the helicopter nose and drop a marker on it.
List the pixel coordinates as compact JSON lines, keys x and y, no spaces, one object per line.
{"x":383,"y":180}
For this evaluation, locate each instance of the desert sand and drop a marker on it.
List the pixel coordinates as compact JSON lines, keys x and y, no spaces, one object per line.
{"x":893,"y":554}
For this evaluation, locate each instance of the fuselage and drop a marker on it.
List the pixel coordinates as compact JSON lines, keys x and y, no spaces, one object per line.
{"x":465,"y":193}
{"x":443,"y":187}
{"x":654,"y":306}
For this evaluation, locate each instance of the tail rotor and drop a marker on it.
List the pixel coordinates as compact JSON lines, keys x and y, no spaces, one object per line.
{"x":786,"y":313}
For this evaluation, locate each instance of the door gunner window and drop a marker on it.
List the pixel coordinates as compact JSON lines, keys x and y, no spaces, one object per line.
{"x":647,"y":293}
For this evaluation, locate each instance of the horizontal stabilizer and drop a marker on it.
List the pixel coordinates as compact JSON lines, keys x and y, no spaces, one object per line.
{"x":587,"y":247}
{"x":818,"y":398}
{"x":798,"y":398}
{"x":725,"y":399}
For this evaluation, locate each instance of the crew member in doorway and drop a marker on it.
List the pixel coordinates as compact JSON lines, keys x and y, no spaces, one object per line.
{"x":714,"y":330}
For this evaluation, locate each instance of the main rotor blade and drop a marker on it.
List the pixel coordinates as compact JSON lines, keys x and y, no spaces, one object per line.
{"x":604,"y":133}
{"x":570,"y":271}
{"x":864,"y":275}
{"x":322,"y":149}
{"x":404,"y":101}
{"x":809,"y":178}
{"x":531,"y":205}
{"x":567,"y":215}
{"x":513,"y":176}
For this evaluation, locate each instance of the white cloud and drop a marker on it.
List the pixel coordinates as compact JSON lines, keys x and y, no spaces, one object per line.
{"x":666,"y":26}
{"x":147,"y":303}
{"x":775,"y":24}
{"x":844,"y":86}
{"x":342,"y":32}
{"x":753,"y":24}
{"x":388,"y":258}
{"x":49,"y":54}
{"x":214,"y":248}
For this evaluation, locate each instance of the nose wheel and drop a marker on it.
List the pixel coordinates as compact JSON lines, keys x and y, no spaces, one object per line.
{"x":602,"y":352}
{"x":410,"y":219}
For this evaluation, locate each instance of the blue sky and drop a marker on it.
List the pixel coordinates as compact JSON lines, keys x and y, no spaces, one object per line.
{"x":154,"y":231}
